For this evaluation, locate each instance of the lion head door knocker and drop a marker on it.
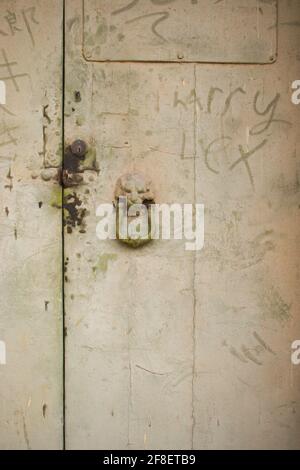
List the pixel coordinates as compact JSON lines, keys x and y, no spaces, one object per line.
{"x":134,"y":196}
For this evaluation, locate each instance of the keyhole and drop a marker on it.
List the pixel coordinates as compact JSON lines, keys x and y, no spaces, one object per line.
{"x":79,"y":148}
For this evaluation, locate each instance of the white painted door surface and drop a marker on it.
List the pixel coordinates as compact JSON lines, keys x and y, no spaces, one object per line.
{"x":31,"y":384}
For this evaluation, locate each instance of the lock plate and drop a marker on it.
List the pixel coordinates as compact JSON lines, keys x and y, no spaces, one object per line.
{"x":78,"y":158}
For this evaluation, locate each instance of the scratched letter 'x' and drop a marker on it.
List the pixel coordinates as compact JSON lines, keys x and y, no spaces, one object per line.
{"x":7,"y":132}
{"x":8,"y":70}
{"x":244,"y":158}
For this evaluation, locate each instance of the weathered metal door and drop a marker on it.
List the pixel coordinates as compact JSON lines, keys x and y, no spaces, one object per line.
{"x":163,"y":347}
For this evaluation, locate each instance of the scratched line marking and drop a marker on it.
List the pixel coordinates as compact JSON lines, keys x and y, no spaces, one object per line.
{"x":230,"y":97}
{"x":263,"y":343}
{"x":11,"y":76}
{"x":126,"y":7}
{"x":27,"y":24}
{"x":5,"y":110}
{"x":12,"y":21}
{"x":151,"y":371}
{"x":244,"y":158}
{"x":7,"y":131}
{"x":134,"y":3}
{"x":270,"y":108}
{"x":164,"y":15}
{"x":208,"y":150}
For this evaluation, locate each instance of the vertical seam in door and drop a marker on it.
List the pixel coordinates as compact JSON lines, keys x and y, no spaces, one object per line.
{"x":63,"y":235}
{"x":195,"y":130}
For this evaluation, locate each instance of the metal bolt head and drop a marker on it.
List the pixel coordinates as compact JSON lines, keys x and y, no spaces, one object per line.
{"x":79,"y":148}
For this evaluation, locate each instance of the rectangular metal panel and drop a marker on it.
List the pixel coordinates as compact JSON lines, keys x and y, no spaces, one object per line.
{"x":31,"y":403}
{"x":129,"y":313}
{"x":180,"y":30}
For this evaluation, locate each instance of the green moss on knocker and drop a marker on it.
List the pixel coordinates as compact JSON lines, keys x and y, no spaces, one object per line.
{"x":135,"y":243}
{"x":136,"y":191}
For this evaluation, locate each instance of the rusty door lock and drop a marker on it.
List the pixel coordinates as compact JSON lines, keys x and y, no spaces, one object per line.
{"x":71,"y":174}
{"x":79,"y":148}
{"x":78,"y":158}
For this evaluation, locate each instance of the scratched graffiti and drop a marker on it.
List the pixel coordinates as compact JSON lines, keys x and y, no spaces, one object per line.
{"x":266,"y":118}
{"x":8,"y":140}
{"x":9,"y":73}
{"x":134,"y":3}
{"x":14,"y":23}
{"x":251,"y":354}
{"x":8,"y":133}
{"x":159,"y":16}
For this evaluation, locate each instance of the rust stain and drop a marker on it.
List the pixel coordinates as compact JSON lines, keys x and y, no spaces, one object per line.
{"x":74,"y":213}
